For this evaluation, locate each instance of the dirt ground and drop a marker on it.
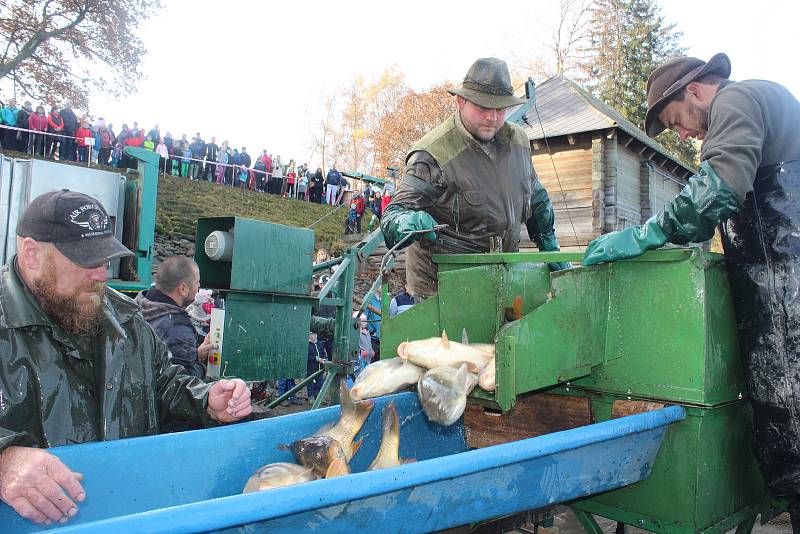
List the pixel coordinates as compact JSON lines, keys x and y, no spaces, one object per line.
{"x":566,"y":523}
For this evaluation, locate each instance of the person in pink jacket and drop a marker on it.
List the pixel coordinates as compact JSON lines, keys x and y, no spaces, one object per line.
{"x":38,"y":123}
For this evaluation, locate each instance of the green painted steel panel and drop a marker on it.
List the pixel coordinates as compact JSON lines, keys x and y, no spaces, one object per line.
{"x":266,"y":336}
{"x":471,"y":297}
{"x":705,"y":473}
{"x":671,"y":332}
{"x":418,"y":322}
{"x":267,"y":257}
{"x":563,"y":338}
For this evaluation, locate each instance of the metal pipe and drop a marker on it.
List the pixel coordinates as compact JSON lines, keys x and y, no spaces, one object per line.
{"x":370,"y":293}
{"x":295,"y":389}
{"x":334,"y":278}
{"x":321,"y":266}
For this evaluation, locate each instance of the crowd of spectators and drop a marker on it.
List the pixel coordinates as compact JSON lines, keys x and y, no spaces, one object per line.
{"x":62,"y":135}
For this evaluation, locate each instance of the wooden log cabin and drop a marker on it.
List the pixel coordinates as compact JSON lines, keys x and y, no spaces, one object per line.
{"x":610,"y":174}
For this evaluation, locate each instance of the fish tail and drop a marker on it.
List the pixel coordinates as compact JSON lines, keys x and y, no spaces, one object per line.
{"x":356,"y":445}
{"x":337,"y":468}
{"x":391,"y":422}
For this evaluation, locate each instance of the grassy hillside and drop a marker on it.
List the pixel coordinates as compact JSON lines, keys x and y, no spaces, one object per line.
{"x":181,"y":202}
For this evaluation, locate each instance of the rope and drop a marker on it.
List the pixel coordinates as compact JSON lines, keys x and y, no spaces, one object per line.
{"x":558,"y":179}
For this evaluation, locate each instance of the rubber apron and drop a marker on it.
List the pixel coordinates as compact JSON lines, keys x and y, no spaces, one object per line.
{"x":762,"y":253}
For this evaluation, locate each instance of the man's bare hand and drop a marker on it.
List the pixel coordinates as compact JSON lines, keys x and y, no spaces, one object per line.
{"x":229,"y":400}
{"x":206,"y":348}
{"x":38,"y":486}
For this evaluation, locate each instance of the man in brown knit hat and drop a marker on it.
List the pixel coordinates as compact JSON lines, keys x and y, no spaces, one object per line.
{"x":749,"y":180}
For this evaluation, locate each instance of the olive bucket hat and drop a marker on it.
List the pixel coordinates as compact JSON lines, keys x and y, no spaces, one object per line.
{"x":488,"y":84}
{"x":668,"y":80}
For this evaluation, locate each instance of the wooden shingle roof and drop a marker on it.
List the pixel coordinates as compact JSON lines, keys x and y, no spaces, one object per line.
{"x":566,"y":108}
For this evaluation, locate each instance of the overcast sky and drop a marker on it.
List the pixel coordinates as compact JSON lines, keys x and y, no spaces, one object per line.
{"x":252,"y":72}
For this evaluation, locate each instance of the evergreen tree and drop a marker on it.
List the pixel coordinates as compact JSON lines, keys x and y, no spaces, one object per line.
{"x":627,"y":40}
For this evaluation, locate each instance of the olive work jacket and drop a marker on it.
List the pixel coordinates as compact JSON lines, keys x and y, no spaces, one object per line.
{"x":455,"y":179}
{"x":57,"y":389}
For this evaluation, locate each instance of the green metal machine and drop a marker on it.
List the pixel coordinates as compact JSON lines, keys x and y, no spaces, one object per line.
{"x":140,"y":222}
{"x":263,"y":271}
{"x":659,"y":328}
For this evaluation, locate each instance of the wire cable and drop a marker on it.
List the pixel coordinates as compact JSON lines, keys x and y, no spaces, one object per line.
{"x":558,"y":179}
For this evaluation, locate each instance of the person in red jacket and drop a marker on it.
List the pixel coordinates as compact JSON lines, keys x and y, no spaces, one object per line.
{"x":361,"y":207}
{"x":55,"y":125}
{"x":81,"y":134}
{"x":38,"y":123}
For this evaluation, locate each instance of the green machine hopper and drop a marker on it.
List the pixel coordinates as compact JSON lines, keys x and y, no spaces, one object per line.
{"x":263,"y":271}
{"x":612,"y":338}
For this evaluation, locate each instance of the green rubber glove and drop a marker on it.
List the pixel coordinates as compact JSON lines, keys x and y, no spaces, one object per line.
{"x":548,"y":243}
{"x":691,"y":217}
{"x":398,"y":222}
{"x":627,"y":243}
{"x":541,"y":225}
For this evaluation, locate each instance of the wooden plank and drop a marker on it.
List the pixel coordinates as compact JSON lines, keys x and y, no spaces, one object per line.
{"x":621,"y":408}
{"x":534,"y":415}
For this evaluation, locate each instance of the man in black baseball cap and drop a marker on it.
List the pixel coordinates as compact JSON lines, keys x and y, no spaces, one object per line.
{"x":79,"y":363}
{"x":76,"y":224}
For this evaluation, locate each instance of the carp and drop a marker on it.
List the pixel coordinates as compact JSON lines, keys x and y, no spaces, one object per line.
{"x":389,"y":452}
{"x":440,"y":351}
{"x":443,"y":393}
{"x":350,"y":422}
{"x":486,"y":380}
{"x":322,"y":454}
{"x":278,"y":475}
{"x":384,"y":377}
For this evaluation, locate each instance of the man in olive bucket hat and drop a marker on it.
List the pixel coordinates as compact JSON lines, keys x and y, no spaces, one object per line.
{"x":749,"y":179}
{"x":474,"y":173}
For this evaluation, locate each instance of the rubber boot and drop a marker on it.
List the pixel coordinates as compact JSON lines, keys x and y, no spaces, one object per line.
{"x":794,"y":513}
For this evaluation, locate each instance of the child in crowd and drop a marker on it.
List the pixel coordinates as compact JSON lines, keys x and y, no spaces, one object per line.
{"x":82,"y":134}
{"x":116,"y":155}
{"x":244,"y":176}
{"x":187,"y":157}
{"x":352,"y":218}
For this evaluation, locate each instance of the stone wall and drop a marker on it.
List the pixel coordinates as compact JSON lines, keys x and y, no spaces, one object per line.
{"x":179,"y":245}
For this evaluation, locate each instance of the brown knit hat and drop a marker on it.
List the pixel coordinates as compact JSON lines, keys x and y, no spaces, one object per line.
{"x":670,"y":78}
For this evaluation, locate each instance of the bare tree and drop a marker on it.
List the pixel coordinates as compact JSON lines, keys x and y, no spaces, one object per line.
{"x":573,"y":24}
{"x":51,"y":49}
{"x":323,"y":135}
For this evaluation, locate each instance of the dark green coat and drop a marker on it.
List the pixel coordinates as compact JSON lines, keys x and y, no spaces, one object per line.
{"x":57,"y":389}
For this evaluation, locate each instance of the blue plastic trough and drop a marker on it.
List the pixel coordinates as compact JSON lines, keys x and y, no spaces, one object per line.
{"x":191,"y":481}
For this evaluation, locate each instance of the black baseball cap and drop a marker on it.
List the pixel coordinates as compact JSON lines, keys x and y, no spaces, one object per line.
{"x":76,"y":224}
